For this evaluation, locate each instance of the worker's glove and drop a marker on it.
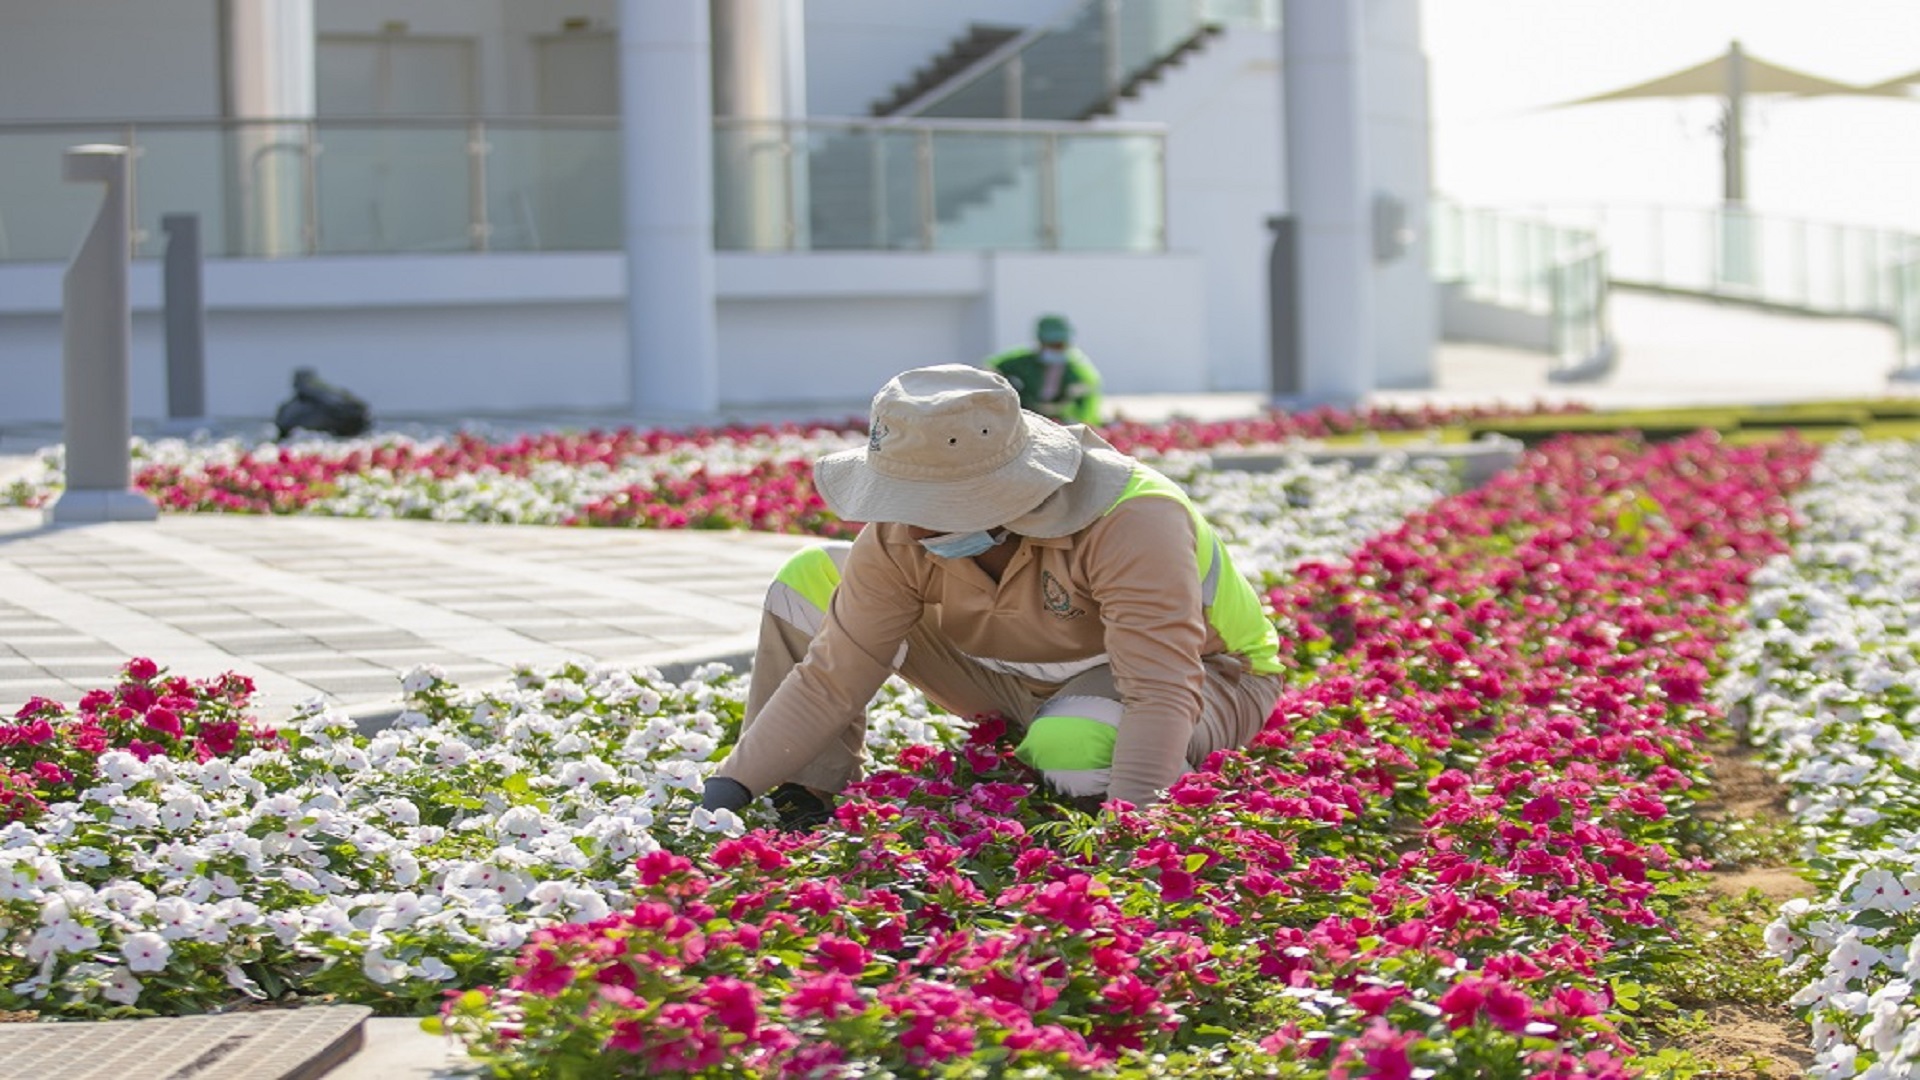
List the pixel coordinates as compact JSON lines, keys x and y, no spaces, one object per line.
{"x":800,"y":810}
{"x":725,"y":793}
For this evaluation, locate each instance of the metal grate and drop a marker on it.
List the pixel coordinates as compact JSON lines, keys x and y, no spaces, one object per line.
{"x":275,"y":1044}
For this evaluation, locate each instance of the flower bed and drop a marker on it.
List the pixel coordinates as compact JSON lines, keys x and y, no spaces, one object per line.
{"x":1827,"y":682}
{"x":265,"y":861}
{"x":1444,"y":854}
{"x":755,"y":477}
{"x":1447,"y":852}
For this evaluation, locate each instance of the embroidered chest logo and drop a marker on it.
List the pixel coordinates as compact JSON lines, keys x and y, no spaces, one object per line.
{"x":1058,"y":600}
{"x":880,"y":431}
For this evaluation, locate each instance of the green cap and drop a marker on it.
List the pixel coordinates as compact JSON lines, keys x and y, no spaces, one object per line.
{"x":1053,"y":330}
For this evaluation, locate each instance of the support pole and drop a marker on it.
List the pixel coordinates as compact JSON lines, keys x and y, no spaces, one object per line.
{"x":1328,"y":198}
{"x":185,"y":318}
{"x":666,"y":134}
{"x":97,"y":329}
{"x":1737,"y":228}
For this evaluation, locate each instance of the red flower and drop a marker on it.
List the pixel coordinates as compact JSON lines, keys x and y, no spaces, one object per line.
{"x":164,"y":720}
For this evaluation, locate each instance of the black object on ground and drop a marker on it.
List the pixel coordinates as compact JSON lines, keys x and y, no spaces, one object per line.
{"x":320,"y":406}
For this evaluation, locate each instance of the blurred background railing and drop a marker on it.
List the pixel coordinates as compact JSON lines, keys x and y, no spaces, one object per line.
{"x":325,"y":187}
{"x":1528,"y":265}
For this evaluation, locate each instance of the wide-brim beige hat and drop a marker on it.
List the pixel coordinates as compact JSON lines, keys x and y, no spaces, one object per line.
{"x":950,"y":449}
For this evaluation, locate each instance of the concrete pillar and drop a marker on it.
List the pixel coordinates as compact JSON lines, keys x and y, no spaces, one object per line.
{"x":759,"y":87}
{"x":1322,"y":42}
{"x":666,"y":132}
{"x":97,"y":327}
{"x":268,"y":74}
{"x":1406,"y":323}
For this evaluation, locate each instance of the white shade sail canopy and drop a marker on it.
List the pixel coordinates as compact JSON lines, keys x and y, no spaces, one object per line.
{"x":1898,"y":86}
{"x":1715,"y":78}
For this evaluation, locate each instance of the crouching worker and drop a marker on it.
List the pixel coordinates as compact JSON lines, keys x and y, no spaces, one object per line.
{"x":1008,"y":565}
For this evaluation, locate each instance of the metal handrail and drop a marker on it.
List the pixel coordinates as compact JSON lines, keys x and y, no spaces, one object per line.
{"x":1008,"y":59}
{"x":776,"y":157}
{"x":1009,"y":52}
{"x":981,"y":125}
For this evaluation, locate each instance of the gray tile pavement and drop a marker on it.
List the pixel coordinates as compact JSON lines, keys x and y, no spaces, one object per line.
{"x":337,"y":608}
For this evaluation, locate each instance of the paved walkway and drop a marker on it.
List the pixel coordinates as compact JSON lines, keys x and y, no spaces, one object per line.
{"x":340,"y":608}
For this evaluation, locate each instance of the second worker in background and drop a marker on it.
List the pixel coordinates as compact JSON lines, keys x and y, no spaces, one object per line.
{"x":1054,"y":378}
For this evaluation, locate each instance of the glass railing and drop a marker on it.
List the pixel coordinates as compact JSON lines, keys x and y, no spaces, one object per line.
{"x":1079,"y":64}
{"x":1532,"y":265}
{"x":280,"y":188}
{"x":1906,"y":314}
{"x":1789,"y":262}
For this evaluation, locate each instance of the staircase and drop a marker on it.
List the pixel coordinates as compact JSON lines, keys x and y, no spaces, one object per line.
{"x":979,"y":41}
{"x":1137,"y":82}
{"x":865,"y":182}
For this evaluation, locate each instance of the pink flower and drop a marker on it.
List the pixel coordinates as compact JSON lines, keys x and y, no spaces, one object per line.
{"x":842,"y":955}
{"x":164,"y":720}
{"x":826,"y":995}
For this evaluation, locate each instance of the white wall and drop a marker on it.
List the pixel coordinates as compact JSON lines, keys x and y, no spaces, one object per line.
{"x":488,"y":334}
{"x":1225,"y":176}
{"x":1222,"y":108}
{"x":1140,"y":318}
{"x":108,"y":59}
{"x":1406,"y":312}
{"x":858,"y":50}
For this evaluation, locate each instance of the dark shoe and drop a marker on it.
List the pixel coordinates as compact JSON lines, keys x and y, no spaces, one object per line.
{"x":799,"y":809}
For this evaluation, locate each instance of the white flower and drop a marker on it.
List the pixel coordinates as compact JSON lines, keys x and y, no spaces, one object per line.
{"x":179,"y":813}
{"x":380,"y":968}
{"x":1881,"y":890}
{"x":716,"y":821}
{"x":216,"y":774}
{"x":586,"y":772}
{"x":242,"y":982}
{"x":422,"y":678}
{"x":146,"y":951}
{"x":433,"y":968}
{"x":405,"y":868}
{"x":559,"y":691}
{"x":121,"y":987}
{"x":452,"y":753}
{"x":1836,"y":1061}
{"x":120,"y":767}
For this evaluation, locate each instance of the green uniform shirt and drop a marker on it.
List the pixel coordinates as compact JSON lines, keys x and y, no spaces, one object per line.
{"x":1078,"y":398}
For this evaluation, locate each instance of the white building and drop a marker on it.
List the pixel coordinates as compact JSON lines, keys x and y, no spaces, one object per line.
{"x":434,"y":215}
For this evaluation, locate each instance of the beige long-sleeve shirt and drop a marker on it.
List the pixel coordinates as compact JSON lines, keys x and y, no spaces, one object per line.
{"x":1126,"y":587}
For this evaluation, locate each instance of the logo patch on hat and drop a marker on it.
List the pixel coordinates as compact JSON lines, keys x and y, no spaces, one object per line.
{"x":880,"y":431}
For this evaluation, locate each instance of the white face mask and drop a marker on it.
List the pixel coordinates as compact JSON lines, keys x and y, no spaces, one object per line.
{"x":964,"y":545}
{"x":1053,"y":354}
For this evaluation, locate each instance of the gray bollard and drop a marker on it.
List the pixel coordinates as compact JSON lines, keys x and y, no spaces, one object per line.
{"x":97,"y":329}
{"x":186,"y":322}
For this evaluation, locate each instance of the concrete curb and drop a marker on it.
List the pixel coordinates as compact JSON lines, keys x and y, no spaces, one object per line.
{"x":1477,"y":461}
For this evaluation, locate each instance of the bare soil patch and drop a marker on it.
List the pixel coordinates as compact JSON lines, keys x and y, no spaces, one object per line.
{"x":1749,"y":1041}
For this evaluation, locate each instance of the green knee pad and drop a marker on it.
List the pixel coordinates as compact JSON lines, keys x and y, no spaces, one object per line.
{"x":1073,"y":753}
